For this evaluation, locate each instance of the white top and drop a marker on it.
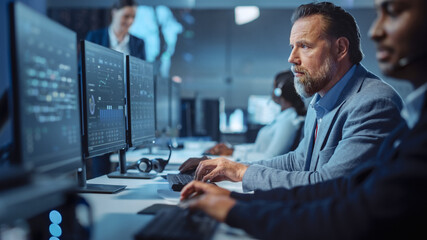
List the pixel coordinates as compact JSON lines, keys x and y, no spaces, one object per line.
{"x":272,"y":140}
{"x":122,"y":46}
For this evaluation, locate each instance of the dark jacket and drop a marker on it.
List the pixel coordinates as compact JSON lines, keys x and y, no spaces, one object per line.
{"x":383,"y":199}
{"x":136,"y":45}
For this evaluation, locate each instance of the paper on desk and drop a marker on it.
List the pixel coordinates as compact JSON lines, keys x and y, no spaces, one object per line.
{"x":169,"y":195}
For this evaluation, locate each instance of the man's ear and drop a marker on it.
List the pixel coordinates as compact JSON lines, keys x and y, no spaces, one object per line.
{"x":342,"y":49}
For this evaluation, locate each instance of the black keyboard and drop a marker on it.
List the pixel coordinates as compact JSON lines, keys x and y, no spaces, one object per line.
{"x":178,"y":223}
{"x":178,"y":181}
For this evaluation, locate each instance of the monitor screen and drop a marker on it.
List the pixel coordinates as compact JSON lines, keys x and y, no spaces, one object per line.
{"x":104,"y":121}
{"x":261,"y":109}
{"x":175,"y":106}
{"x":162,"y":104}
{"x":140,"y":91}
{"x":46,"y":92}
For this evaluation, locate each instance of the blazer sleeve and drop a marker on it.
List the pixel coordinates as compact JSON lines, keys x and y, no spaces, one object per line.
{"x":365,"y":124}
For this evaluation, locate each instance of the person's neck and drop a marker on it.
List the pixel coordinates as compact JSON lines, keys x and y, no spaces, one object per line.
{"x":416,"y":74}
{"x":285,"y":105}
{"x":120,"y":35}
{"x":342,"y":69}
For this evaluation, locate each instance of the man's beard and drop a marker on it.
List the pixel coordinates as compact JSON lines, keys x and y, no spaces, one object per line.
{"x":309,"y":84}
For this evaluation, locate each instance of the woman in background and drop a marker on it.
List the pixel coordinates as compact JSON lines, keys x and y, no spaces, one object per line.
{"x":117,"y":36}
{"x":280,"y":136}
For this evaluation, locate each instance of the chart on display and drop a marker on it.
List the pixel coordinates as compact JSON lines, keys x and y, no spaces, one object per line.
{"x":104,"y":85}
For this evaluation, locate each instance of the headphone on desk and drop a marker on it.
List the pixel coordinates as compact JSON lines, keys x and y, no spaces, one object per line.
{"x":157,"y":164}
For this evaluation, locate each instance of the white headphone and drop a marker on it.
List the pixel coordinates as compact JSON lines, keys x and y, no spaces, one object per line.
{"x":278,"y":90}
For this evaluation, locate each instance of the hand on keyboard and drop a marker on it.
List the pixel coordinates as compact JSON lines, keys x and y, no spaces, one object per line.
{"x":196,"y":188}
{"x":177,"y":223}
{"x":190,"y":165}
{"x":216,"y":206}
{"x":220,"y":169}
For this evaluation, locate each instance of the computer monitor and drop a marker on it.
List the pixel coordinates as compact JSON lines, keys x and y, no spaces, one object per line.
{"x":140,"y":102}
{"x":47,"y":132}
{"x":104,"y":124}
{"x":261,"y":109}
{"x":175,"y":108}
{"x":103,"y":100}
{"x":162,"y":105}
{"x":141,"y":112}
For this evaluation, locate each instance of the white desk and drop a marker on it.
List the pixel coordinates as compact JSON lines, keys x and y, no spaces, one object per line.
{"x":115,"y":214}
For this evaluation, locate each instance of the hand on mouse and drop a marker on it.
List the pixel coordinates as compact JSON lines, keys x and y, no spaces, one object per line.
{"x":191,"y":164}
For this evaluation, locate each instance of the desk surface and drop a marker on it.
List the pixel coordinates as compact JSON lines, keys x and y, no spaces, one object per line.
{"x":115,"y":215}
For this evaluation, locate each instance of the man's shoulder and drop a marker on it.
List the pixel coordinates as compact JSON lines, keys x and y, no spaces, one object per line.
{"x":374,"y":87}
{"x":372,"y":91}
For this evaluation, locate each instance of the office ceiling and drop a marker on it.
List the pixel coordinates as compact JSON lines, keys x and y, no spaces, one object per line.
{"x":206,"y":4}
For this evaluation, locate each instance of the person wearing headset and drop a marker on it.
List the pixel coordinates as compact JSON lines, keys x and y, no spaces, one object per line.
{"x":117,"y":35}
{"x":382,"y":199}
{"x":280,"y":136}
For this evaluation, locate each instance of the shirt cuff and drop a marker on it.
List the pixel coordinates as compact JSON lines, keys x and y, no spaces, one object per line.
{"x":250,"y":178}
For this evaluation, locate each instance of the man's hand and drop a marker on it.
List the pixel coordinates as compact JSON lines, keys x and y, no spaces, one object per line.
{"x":196,"y":188}
{"x":220,"y":169}
{"x":191,"y":164}
{"x":216,"y":206}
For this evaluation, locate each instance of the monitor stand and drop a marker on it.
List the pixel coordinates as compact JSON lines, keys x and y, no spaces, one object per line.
{"x":83,"y":187}
{"x":123,"y":173}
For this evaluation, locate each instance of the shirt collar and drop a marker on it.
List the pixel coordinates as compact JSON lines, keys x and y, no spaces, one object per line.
{"x":323,"y":105}
{"x":413,"y":105}
{"x":123,"y":46}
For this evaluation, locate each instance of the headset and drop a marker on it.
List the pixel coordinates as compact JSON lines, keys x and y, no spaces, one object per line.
{"x":405,"y":61}
{"x":157,"y":164}
{"x":278,"y":90}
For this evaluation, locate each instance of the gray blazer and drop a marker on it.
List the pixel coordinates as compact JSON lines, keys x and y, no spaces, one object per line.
{"x":365,"y":113}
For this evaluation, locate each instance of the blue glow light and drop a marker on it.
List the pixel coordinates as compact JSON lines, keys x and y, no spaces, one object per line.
{"x":53,"y":238}
{"x":55,"y":217}
{"x":55,"y":230}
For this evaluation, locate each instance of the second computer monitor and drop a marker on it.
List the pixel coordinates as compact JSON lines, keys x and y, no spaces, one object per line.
{"x":175,"y":108}
{"x":141,"y":107}
{"x":162,"y":105}
{"x":103,"y":75}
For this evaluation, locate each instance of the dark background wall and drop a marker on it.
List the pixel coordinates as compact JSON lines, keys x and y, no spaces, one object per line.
{"x":217,"y":58}
{"x":235,"y":61}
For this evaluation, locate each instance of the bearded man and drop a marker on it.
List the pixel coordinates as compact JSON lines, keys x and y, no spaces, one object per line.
{"x":351,"y":113}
